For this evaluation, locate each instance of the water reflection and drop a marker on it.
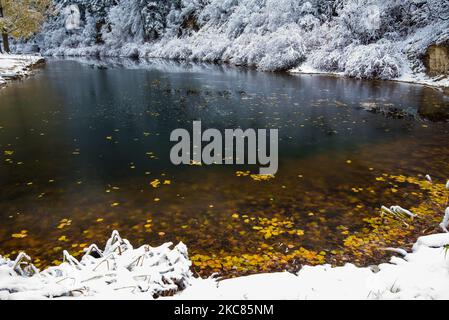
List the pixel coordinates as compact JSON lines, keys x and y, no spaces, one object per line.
{"x":83,"y":140}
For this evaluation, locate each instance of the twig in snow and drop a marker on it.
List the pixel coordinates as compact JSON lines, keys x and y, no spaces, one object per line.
{"x":445,"y":223}
{"x":399,"y":213}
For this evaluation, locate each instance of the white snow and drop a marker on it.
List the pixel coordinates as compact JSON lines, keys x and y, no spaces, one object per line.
{"x":366,"y":39}
{"x":13,"y":66}
{"x":445,"y":222}
{"x":434,"y":241}
{"x":118,"y":271}
{"x":122,"y":272}
{"x":422,"y":274}
{"x":73,"y":19}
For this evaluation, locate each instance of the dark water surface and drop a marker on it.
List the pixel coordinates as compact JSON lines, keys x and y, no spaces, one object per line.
{"x":81,"y":143}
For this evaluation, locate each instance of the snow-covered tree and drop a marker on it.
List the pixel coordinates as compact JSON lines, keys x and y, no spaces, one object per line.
{"x":360,"y":38}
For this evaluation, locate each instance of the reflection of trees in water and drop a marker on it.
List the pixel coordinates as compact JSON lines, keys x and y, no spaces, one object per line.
{"x":433,"y":105}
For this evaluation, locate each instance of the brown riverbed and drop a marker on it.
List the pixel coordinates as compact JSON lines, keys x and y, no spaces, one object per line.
{"x":82,"y":143}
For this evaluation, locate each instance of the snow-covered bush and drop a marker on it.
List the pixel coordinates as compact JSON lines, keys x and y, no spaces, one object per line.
{"x":209,"y":48}
{"x":125,"y":24}
{"x":362,"y":38}
{"x":116,"y":270}
{"x":282,"y":50}
{"x":362,"y":19}
{"x":373,"y":61}
{"x":177,"y":49}
{"x":330,"y":61}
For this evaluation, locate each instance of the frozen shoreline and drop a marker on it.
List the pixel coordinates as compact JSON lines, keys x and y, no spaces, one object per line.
{"x":122,"y":272}
{"x":16,"y":66}
{"x":351,"y":37}
{"x":440,"y":83}
{"x":422,"y":274}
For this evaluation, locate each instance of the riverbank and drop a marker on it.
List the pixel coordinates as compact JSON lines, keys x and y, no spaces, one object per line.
{"x":441,"y":83}
{"x":148,"y":272}
{"x":351,"y":38}
{"x":120,"y":271}
{"x":13,"y":67}
{"x":420,"y":274}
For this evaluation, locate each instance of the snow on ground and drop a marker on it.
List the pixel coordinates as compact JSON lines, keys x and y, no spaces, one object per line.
{"x":122,"y":272}
{"x":422,"y":274}
{"x":118,"y":271}
{"x":407,"y":75}
{"x":422,"y":78}
{"x":16,"y":66}
{"x":363,"y":39}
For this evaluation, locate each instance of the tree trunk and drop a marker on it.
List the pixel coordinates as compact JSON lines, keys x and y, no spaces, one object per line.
{"x":5,"y":42}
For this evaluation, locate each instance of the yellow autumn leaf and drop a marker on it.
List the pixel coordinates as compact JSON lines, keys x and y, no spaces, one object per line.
{"x":155,"y":183}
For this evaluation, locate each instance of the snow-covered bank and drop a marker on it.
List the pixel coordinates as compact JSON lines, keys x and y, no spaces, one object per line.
{"x":122,"y":272}
{"x":408,"y":76}
{"x":441,"y":82}
{"x":364,"y":39}
{"x":118,"y":271}
{"x":16,"y":66}
{"x":422,"y":274}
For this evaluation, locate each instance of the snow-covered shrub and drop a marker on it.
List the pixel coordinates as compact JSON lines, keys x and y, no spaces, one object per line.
{"x":362,"y":20}
{"x":154,"y":15}
{"x":327,"y":48}
{"x":117,"y":270}
{"x":309,"y":22}
{"x":209,"y":48}
{"x":177,"y":49}
{"x":284,"y":50}
{"x":280,"y":13}
{"x":373,"y":61}
{"x":217,"y":12}
{"x":183,"y":19}
{"x":280,"y":50}
{"x":324,"y":60}
{"x":124,"y":24}
{"x":89,"y":33}
{"x":348,"y":36}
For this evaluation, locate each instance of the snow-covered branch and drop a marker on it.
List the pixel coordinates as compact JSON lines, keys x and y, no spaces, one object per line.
{"x":117,"y":270}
